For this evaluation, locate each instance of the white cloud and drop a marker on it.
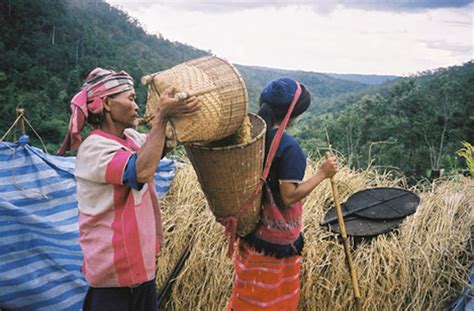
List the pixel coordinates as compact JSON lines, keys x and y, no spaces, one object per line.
{"x":325,"y":6}
{"x":295,"y":37}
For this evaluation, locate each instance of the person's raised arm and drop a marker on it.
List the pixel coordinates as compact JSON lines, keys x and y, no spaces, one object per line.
{"x":150,"y":153}
{"x":292,"y":192}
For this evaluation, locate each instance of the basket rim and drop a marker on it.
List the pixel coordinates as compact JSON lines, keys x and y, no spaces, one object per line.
{"x":253,"y":140}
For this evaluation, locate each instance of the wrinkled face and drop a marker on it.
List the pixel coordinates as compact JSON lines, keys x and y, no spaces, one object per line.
{"x":123,"y":109}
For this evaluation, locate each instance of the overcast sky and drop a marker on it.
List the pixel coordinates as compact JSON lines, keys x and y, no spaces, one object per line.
{"x":399,"y":37}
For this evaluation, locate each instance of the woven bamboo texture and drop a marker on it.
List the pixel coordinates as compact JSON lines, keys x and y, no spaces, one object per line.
{"x":229,"y":175}
{"x":223,"y":104}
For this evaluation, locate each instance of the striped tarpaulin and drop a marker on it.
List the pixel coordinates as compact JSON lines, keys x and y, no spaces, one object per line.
{"x":40,"y":257}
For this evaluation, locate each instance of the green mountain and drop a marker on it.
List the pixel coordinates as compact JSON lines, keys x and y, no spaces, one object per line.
{"x":366,"y":79}
{"x":320,"y":85}
{"x":412,"y":126}
{"x":47,"y":48}
{"x":339,"y":102}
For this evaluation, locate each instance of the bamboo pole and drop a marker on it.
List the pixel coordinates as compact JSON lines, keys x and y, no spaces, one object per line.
{"x":183,"y":95}
{"x":347,"y":249}
{"x":20,"y":113}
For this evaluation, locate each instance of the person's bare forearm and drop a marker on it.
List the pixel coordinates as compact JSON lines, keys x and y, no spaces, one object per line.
{"x":151,"y":151}
{"x":149,"y":155}
{"x":292,"y":193}
{"x":300,"y":191}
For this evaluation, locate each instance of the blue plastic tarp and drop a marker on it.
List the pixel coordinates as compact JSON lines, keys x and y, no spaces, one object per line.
{"x":40,"y":257}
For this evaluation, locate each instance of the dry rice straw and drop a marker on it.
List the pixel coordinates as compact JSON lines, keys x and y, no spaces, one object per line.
{"x":422,"y":265}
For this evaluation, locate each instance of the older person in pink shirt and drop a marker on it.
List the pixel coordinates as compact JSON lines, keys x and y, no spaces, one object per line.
{"x":119,"y":213}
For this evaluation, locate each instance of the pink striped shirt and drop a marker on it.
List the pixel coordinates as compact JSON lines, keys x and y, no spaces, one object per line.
{"x":120,"y":227}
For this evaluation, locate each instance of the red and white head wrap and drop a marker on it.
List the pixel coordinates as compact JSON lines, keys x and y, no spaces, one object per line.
{"x":99,"y":83}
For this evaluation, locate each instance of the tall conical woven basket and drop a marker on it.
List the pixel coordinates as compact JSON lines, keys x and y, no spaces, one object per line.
{"x":229,"y":175}
{"x":220,"y":89}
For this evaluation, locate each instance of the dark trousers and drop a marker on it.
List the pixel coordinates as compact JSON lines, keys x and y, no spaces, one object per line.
{"x":140,"y":298}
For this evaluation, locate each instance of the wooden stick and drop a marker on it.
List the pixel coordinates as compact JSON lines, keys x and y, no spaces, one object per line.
{"x":185,"y":94}
{"x":20,"y":113}
{"x":174,"y":273}
{"x":347,"y":249}
{"x":179,"y":96}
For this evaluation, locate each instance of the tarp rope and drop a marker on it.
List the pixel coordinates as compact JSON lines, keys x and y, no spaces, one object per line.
{"x":22,"y":116}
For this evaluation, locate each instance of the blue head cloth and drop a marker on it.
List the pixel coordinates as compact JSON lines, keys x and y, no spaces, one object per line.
{"x":279,"y":92}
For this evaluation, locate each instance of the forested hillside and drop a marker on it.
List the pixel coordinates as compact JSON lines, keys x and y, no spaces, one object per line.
{"x":367,"y":79}
{"x":413,"y":125}
{"x":320,"y":85}
{"x":47,"y":48}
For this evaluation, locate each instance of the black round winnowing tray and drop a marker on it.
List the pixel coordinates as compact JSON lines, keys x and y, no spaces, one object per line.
{"x":373,"y":211}
{"x":361,"y":227}
{"x":383,"y":203}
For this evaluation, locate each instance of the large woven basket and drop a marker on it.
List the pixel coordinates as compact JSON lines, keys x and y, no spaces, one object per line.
{"x":220,"y":89}
{"x":229,"y":175}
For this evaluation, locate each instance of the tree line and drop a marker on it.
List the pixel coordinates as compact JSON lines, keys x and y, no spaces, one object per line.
{"x":414,"y":126}
{"x":48,"y":47}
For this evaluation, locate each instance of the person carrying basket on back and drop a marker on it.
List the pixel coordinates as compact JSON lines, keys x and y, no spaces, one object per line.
{"x":268,"y":260}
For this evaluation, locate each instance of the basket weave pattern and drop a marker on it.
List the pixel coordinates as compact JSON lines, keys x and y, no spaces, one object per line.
{"x":229,"y":175}
{"x":222,"y":109}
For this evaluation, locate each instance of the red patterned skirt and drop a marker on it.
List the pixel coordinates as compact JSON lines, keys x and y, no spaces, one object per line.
{"x":264,"y":282}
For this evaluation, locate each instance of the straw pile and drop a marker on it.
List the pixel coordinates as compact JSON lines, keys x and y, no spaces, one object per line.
{"x":421,"y":266}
